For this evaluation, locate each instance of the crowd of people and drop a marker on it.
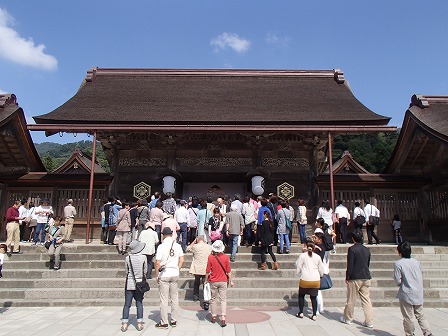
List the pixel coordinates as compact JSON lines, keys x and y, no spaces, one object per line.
{"x":165,"y":229}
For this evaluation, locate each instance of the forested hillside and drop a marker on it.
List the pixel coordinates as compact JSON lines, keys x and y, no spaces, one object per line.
{"x":53,"y":154}
{"x":371,"y":150}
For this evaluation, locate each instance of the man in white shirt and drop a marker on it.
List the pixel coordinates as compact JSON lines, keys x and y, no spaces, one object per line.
{"x":169,"y":260}
{"x":182,"y":217}
{"x":371,"y":210}
{"x":23,"y":211}
{"x":343,"y":217}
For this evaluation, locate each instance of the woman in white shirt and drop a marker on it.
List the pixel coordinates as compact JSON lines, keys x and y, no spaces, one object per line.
{"x":310,"y":269}
{"x":326,"y":212}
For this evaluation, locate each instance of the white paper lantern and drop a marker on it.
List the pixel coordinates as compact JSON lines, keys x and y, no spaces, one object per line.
{"x":258,"y":185}
{"x":169,"y":184}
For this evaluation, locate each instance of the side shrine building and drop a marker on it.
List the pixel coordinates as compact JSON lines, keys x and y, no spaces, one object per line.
{"x":214,"y":132}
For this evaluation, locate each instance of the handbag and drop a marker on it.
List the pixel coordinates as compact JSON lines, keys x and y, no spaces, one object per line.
{"x":111,"y":227}
{"x":207,"y":292}
{"x":141,"y":286}
{"x":215,"y":235}
{"x":47,"y":244}
{"x":325,"y":282}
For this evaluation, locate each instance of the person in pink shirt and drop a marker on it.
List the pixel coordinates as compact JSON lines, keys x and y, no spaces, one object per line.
{"x":170,"y":222}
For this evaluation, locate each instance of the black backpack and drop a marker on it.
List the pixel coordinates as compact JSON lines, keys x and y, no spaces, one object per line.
{"x":328,"y":241}
{"x":107,"y":213}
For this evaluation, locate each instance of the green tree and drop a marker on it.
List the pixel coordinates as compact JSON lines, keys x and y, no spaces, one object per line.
{"x":48,"y":163}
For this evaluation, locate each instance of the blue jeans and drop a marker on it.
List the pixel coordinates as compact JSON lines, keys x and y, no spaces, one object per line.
{"x":284,"y":236}
{"x":302,"y":232}
{"x":182,"y":235}
{"x":128,"y":296}
{"x":40,"y":228}
{"x":234,"y":243}
{"x":248,"y":235}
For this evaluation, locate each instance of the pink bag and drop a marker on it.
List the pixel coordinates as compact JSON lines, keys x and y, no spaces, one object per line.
{"x":215,"y":235}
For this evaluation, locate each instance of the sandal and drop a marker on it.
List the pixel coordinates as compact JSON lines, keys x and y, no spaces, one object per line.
{"x":124,"y":327}
{"x":213,"y":320}
{"x":314,"y":317}
{"x":299,"y":315}
{"x":139,"y":326}
{"x":223,"y":323}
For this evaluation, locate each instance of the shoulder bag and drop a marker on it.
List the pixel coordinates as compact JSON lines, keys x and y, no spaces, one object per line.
{"x":325,"y":282}
{"x":141,"y":286}
{"x":287,"y":221}
{"x":360,"y":219}
{"x":373,"y":220}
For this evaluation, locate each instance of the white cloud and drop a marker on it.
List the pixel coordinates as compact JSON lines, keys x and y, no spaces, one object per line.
{"x":273,"y":38}
{"x":20,"y":50}
{"x":232,"y":41}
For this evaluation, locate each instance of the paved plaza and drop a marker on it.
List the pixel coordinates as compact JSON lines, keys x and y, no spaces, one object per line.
{"x":78,"y":321}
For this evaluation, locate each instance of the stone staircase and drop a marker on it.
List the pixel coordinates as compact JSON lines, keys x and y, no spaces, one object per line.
{"x":93,"y":275}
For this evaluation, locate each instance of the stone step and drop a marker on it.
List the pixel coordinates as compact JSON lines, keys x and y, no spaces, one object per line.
{"x":187,"y":293}
{"x":341,"y":249}
{"x":231,"y":302}
{"x":189,"y":281}
{"x":119,"y":273}
{"x":238,"y":265}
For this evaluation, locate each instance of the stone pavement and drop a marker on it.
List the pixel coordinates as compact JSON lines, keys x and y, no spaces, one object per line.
{"x":78,"y":321}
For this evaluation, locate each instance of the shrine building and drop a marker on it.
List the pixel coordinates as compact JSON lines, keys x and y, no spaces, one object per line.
{"x":214,"y":132}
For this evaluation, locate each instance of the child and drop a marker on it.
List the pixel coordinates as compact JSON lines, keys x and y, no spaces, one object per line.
{"x":2,"y":256}
{"x":396,"y":225}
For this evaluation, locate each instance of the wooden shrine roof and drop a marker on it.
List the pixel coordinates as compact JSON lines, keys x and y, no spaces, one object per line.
{"x":18,"y":155}
{"x":78,"y":163}
{"x":421,"y":148}
{"x":213,"y":97}
{"x":346,"y":165}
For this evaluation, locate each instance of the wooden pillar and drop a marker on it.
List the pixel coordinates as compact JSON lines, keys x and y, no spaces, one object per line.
{"x":92,"y":175}
{"x":330,"y":162}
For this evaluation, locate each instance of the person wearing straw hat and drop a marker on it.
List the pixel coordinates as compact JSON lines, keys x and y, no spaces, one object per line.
{"x":136,"y":268}
{"x":169,"y":260}
{"x":218,"y":274}
{"x":69,"y":215}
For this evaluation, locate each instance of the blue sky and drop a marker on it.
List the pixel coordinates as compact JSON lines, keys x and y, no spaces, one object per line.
{"x":388,"y":50}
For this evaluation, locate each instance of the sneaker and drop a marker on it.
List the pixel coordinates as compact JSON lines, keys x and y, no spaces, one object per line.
{"x":33,"y":244}
{"x":343,"y":320}
{"x":41,"y":244}
{"x":173,"y":324}
{"x":161,"y":326}
{"x":17,"y":252}
{"x":367,"y":325}
{"x":56,"y":267}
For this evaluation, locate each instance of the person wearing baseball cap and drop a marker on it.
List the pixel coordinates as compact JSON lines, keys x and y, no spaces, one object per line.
{"x":169,"y":260}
